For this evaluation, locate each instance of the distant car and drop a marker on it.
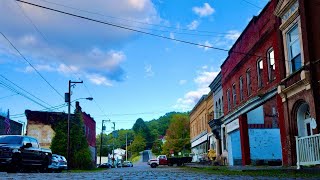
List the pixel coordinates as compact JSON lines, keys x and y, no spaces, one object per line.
{"x":127,"y":164}
{"x":105,"y":165}
{"x":58,"y":163}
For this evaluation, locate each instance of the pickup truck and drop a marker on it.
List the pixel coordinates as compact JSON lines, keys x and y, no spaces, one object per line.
{"x":163,"y":160}
{"x":20,"y":152}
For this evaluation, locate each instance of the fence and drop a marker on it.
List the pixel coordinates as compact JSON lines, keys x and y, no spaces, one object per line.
{"x":308,"y":150}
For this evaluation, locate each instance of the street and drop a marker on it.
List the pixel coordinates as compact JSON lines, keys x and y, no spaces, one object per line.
{"x":140,"y":170}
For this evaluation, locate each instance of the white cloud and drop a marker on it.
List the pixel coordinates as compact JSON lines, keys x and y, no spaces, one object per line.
{"x":171,"y":35}
{"x":207,"y":44}
{"x":182,"y":82}
{"x":64,"y":69}
{"x":148,"y":70}
{"x":138,"y":4}
{"x":233,"y":35}
{"x":202,"y":81}
{"x":205,"y":78}
{"x":193,"y":25}
{"x":99,"y":80}
{"x":39,"y":67}
{"x":206,"y":10}
{"x":86,"y":47}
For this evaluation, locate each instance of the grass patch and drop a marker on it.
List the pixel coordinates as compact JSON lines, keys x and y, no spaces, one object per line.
{"x":135,"y":159}
{"x":87,"y":170}
{"x":281,"y":173}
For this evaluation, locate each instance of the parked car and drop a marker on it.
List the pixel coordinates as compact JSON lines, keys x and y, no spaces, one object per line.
{"x":23,"y":152}
{"x":127,"y":164}
{"x":170,"y":161}
{"x":59,"y":163}
{"x":105,"y":165}
{"x":119,"y":164}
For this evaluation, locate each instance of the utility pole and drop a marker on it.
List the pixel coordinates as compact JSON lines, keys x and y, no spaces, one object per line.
{"x":102,"y":129}
{"x":114,"y":128}
{"x":68,"y":100}
{"x":126,"y":146}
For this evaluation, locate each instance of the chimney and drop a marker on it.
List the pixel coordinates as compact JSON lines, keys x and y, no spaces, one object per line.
{"x":78,"y":108}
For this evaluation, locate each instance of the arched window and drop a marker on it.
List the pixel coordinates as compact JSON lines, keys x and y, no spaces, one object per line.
{"x":248,"y":77}
{"x":271,"y":65}
{"x":260,"y":72}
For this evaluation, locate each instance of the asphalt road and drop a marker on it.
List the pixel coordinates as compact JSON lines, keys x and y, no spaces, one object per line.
{"x":140,"y":170}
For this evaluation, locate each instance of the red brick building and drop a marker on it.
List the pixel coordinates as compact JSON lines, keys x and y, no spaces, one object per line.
{"x":300,"y":76}
{"x":250,"y":76}
{"x":39,"y":125}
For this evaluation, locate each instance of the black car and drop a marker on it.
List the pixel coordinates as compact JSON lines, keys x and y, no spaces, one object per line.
{"x":105,"y":165}
{"x":22,"y":152}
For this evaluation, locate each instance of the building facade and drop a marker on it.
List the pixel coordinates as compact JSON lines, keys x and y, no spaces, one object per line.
{"x":299,"y":73}
{"x":215,"y":123}
{"x":16,"y":128}
{"x":200,"y":134}
{"x":40,"y":125}
{"x":249,"y":82}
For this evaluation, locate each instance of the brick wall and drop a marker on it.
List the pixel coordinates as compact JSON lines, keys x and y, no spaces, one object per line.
{"x":260,"y":35}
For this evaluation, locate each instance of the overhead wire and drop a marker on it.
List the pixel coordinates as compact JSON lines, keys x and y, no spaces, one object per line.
{"x":134,"y":21}
{"x":20,"y":93}
{"x":23,"y":89}
{"x":46,"y":39}
{"x":121,"y":27}
{"x":32,"y":65}
{"x":248,"y":2}
{"x":138,"y":31}
{"x":9,"y":96}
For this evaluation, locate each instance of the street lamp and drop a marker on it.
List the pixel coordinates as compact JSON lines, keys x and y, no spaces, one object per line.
{"x":102,"y":129}
{"x":68,"y":100}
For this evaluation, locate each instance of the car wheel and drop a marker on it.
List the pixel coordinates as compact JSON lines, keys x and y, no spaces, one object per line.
{"x":153,"y":165}
{"x":44,"y":167}
{"x":15,"y":165}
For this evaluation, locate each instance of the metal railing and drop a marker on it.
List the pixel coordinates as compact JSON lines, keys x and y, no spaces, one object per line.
{"x":308,"y":150}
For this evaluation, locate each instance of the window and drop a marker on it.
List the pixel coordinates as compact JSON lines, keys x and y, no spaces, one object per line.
{"x":248,"y":74}
{"x":271,"y":65}
{"x":234,"y":95}
{"x":228,"y":99}
{"x":34,"y":143}
{"x":224,"y":138}
{"x":220,"y":108}
{"x":216,"y":114}
{"x":241,"y":88}
{"x":260,"y":72}
{"x":294,"y":51}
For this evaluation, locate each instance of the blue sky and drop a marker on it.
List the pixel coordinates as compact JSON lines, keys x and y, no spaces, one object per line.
{"x":129,"y":75}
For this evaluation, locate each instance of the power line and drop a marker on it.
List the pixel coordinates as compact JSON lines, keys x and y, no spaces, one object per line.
{"x":46,"y":39}
{"x":122,"y":27}
{"x":138,"y":31}
{"x":16,"y":91}
{"x":9,"y":96}
{"x":139,"y":22}
{"x":32,"y":66}
{"x":24,"y":90}
{"x":52,"y":108}
{"x":252,"y":4}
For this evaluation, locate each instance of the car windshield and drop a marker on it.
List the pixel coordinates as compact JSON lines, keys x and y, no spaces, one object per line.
{"x":10,"y":140}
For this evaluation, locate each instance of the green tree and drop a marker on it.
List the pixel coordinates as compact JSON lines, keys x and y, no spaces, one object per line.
{"x":140,"y":128}
{"x":80,"y":155}
{"x":178,"y":135}
{"x":59,"y":141}
{"x":138,"y":144}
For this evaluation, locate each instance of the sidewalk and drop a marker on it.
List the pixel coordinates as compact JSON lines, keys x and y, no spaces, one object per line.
{"x":256,"y":168}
